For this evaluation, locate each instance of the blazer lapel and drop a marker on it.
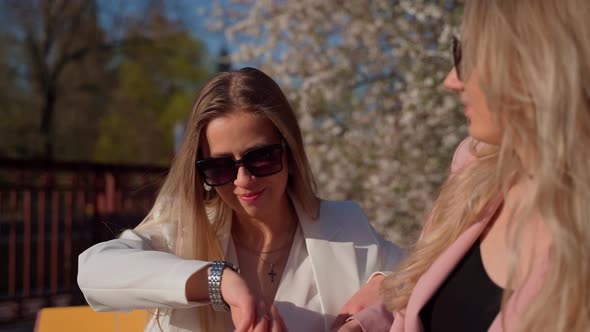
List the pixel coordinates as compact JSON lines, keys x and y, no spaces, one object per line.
{"x":438,"y":272}
{"x":334,"y":263}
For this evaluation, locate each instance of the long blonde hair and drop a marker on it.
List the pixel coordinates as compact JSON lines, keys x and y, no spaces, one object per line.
{"x":533,"y":61}
{"x":190,"y":217}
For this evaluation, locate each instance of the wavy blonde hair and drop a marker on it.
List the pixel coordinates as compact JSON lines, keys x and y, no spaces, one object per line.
{"x":190,"y":218}
{"x":533,"y":60}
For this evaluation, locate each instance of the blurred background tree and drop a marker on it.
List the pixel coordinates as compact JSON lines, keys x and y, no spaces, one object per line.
{"x":17,"y":126}
{"x":113,"y":81}
{"x":83,"y":80}
{"x":365,"y":77}
{"x":57,"y":49}
{"x":156,"y":80}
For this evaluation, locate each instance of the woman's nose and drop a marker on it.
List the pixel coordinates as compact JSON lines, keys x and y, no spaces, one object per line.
{"x":243,"y":177}
{"x":452,"y":81}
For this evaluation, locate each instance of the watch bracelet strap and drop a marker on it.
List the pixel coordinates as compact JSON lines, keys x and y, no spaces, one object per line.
{"x":214,"y":284}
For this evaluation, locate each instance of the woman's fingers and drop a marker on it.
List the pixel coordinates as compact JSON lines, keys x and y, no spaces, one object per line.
{"x":351,"y":326}
{"x":339,"y":321}
{"x":242,"y":303}
{"x":262,"y":325}
{"x":263,"y":318}
{"x":243,"y":315}
{"x":367,"y":295}
{"x":277,"y":322}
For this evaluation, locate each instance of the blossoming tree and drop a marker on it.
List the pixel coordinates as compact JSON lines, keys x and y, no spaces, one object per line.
{"x":365,"y":79}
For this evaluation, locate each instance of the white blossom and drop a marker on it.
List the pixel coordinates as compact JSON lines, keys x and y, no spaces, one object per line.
{"x":364,"y":78}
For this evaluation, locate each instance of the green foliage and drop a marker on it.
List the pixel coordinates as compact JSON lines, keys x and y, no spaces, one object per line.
{"x":156,"y":81}
{"x":17,"y":124}
{"x":73,"y":87}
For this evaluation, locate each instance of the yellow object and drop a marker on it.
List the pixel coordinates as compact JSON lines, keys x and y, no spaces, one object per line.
{"x":84,"y":319}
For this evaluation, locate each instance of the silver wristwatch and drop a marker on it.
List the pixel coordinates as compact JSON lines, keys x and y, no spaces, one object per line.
{"x":214,"y":283}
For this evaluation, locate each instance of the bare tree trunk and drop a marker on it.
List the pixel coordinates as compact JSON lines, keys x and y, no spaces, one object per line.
{"x":47,"y":116}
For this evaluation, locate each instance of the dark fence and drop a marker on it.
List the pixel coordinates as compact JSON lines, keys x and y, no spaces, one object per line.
{"x":50,"y":213}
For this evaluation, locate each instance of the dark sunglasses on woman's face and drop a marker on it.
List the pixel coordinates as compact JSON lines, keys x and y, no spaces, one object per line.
{"x":260,"y":162}
{"x":457,"y":55}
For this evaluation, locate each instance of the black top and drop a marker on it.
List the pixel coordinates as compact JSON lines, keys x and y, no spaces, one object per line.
{"x":467,"y":301}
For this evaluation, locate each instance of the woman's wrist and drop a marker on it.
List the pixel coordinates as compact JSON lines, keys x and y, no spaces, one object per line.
{"x":214,"y":279}
{"x":197,"y":288}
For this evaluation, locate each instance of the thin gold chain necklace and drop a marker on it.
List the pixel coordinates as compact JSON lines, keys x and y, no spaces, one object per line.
{"x":271,"y":273}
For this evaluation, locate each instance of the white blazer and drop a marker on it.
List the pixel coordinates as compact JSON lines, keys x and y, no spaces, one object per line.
{"x":344,"y":250}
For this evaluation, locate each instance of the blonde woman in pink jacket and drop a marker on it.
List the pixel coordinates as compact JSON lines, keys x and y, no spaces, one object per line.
{"x":506,"y":245}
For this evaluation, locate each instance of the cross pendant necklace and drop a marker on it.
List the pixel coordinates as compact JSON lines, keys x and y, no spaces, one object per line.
{"x":272,"y":273}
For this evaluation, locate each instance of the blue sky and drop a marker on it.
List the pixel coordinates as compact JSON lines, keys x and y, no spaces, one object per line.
{"x":186,"y":10}
{"x":197,"y":23}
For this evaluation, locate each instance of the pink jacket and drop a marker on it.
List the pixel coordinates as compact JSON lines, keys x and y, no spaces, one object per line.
{"x":377,"y":319}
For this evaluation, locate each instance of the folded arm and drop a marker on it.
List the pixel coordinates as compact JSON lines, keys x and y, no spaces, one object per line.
{"x":127,"y":273}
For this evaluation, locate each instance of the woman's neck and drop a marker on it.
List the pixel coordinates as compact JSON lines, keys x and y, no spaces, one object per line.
{"x":266,"y":233}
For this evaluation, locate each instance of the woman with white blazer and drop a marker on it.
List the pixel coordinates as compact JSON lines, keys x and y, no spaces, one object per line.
{"x":237,"y":227}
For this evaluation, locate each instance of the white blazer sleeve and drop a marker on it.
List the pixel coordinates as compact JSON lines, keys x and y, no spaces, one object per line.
{"x":127,"y":273}
{"x":390,"y":255}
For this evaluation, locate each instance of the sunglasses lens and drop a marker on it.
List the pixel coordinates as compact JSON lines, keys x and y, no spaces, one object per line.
{"x":260,"y":162}
{"x":264,"y":161}
{"x":217,"y":171}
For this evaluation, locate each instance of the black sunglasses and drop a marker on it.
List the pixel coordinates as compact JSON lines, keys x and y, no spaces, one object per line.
{"x":457,"y":55}
{"x":260,"y":162}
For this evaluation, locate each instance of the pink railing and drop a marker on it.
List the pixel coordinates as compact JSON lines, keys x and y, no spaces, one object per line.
{"x":50,"y":213}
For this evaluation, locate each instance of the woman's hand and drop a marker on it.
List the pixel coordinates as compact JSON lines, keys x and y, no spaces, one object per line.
{"x":269,"y":322}
{"x":278,"y":324}
{"x":350,"y":326}
{"x":235,"y":293}
{"x":247,"y":313}
{"x":242,"y":303}
{"x":367,"y":295}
